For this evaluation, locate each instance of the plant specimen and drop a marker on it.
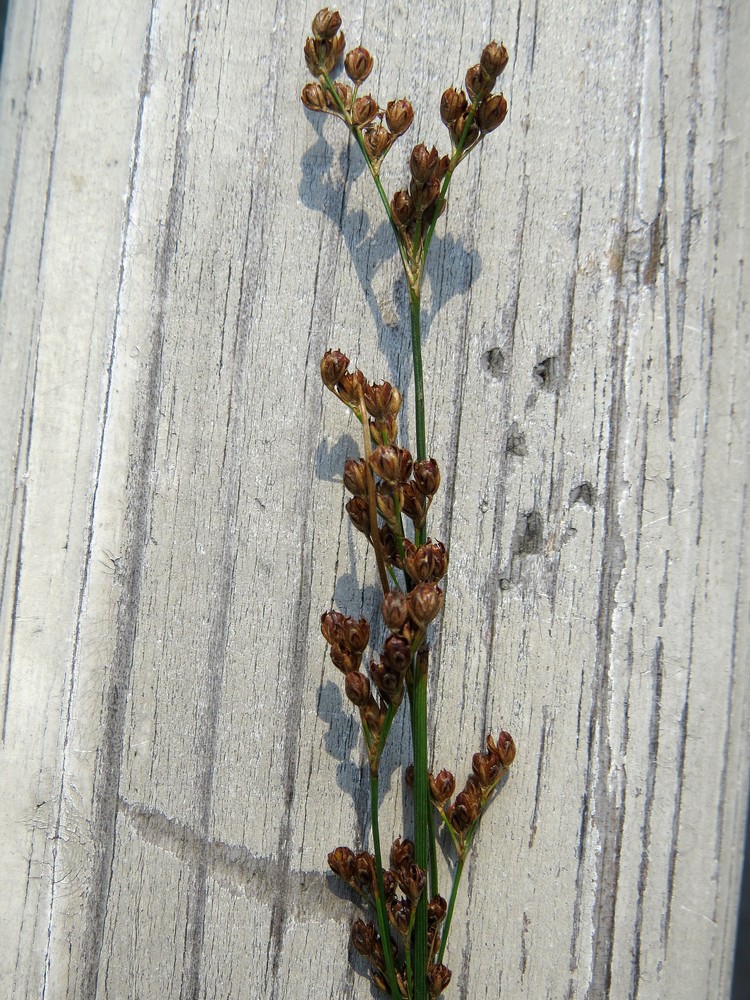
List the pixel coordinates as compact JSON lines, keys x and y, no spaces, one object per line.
{"x":392,"y":489}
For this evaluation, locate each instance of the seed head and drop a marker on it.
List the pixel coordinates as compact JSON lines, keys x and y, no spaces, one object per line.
{"x":357,"y":688}
{"x":325,"y":24}
{"x":504,"y":749}
{"x":428,"y":563}
{"x":355,"y":476}
{"x":422,"y":162}
{"x":442,"y":786}
{"x":487,"y":769}
{"x":411,"y":880}
{"x":344,"y":94}
{"x":365,"y":938}
{"x":334,"y":363}
{"x":425,"y":602}
{"x":399,"y":913}
{"x":344,"y":659}
{"x":358,"y":64}
{"x":457,"y":130}
{"x":476,"y":81}
{"x":426,"y":475}
{"x":413,"y":504}
{"x":402,"y":853}
{"x":331,"y":625}
{"x":395,"y":609}
{"x":388,"y":681}
{"x":364,"y":111}
{"x":403,"y":209}
{"x":436,"y":910}
{"x":452,"y":104}
{"x":399,"y":115}
{"x":382,"y":400}
{"x":391,"y":463}
{"x":377,"y":140}
{"x":359,"y":512}
{"x":438,"y":979}
{"x":493,"y":60}
{"x":341,"y":863}
{"x":491,"y":112}
{"x":397,"y":653}
{"x":313,"y":97}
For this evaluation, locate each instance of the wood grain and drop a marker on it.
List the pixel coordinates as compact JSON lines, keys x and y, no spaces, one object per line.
{"x":180,"y":243}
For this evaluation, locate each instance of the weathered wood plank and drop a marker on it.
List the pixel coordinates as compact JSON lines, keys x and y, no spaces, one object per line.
{"x":180,"y":244}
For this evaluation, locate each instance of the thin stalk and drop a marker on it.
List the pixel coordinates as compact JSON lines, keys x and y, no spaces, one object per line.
{"x":421,"y":820}
{"x":385,"y":935}
{"x":451,"y":903}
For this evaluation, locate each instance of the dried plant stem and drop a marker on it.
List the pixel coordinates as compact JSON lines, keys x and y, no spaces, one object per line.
{"x":365,"y":421}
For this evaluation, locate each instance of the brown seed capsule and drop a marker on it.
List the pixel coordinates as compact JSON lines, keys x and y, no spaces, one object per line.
{"x":349,"y":386}
{"x":464,"y":811}
{"x":399,"y":914}
{"x":395,"y":609}
{"x":357,"y":688}
{"x":398,"y":116}
{"x":358,"y":64}
{"x":344,"y":95}
{"x":402,"y":853}
{"x":438,"y":979}
{"x":332,"y":367}
{"x":403,"y":209}
{"x":413,"y":504}
{"x":457,"y":131}
{"x":313,"y":97}
{"x":426,"y":476}
{"x":387,"y":681}
{"x":397,"y":653}
{"x":425,"y":602}
{"x":383,"y":430}
{"x":476,"y":81}
{"x":428,"y":563}
{"x":374,"y":716}
{"x":341,"y":863}
{"x":377,"y":140}
{"x":504,"y":749}
{"x":389,"y":545}
{"x":436,"y":910}
{"x":359,"y":512}
{"x":425,"y":194}
{"x":364,"y":938}
{"x":364,"y":111}
{"x":422,"y":162}
{"x":493,"y":60}
{"x":487,"y":769}
{"x":344,"y":660}
{"x":355,"y":476}
{"x":391,"y":463}
{"x":383,"y":400}
{"x":331,"y":625}
{"x":313,"y":56}
{"x":442,"y":786}
{"x":492,"y":112}
{"x":385,"y":501}
{"x":355,"y":634}
{"x":452,"y":104}
{"x":326,"y":23}
{"x":336,"y":51}
{"x":411,"y":880}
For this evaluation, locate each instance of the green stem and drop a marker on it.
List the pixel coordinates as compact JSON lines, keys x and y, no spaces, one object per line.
{"x":385,"y":935}
{"x":422,"y":807}
{"x":451,"y":903}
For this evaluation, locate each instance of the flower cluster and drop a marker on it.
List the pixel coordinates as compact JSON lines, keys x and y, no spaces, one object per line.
{"x":387,"y":486}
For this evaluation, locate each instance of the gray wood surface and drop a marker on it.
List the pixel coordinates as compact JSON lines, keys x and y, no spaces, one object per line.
{"x":180,"y":242}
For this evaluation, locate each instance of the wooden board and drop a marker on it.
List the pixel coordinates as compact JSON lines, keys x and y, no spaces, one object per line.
{"x":180,"y":244}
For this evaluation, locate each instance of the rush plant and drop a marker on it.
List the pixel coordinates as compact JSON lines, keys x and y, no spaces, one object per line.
{"x":392,"y":491}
